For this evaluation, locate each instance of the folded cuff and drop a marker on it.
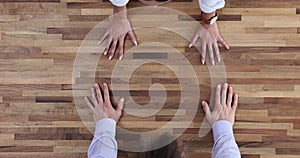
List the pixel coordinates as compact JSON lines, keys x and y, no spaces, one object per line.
{"x":105,"y":126}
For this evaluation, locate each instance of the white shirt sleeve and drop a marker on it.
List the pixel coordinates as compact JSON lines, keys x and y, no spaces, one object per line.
{"x":104,"y":144}
{"x":119,"y":3}
{"x":209,"y":6}
{"x":225,"y":145}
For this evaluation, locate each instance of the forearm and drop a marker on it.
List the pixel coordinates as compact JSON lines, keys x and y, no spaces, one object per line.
{"x":225,"y":145}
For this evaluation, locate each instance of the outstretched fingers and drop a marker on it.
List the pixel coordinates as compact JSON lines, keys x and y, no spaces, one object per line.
{"x":98,"y":92}
{"x":203,"y":52}
{"x":229,"y":96}
{"x":103,"y":37}
{"x":218,"y":96}
{"x":120,"y":106}
{"x":121,"y":47}
{"x":107,"y":46}
{"x":223,"y":42}
{"x":113,"y":49}
{"x":89,"y":103}
{"x":106,"y":95}
{"x":194,"y":40}
{"x":206,"y":108}
{"x":235,"y":102}
{"x":217,"y":51}
{"x":224,"y":94}
{"x":132,"y":37}
{"x":211,"y":54}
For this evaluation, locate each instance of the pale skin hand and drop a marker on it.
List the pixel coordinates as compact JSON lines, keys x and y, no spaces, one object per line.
{"x":209,"y":37}
{"x":118,"y":28}
{"x":224,"y":108}
{"x":103,"y":108}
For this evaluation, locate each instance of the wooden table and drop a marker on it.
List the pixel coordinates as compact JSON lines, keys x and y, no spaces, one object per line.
{"x":39,"y":40}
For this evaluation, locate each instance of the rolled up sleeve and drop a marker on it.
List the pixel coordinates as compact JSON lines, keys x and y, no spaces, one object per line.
{"x":119,"y":3}
{"x":225,"y":145}
{"x":104,"y":144}
{"x":209,"y":6}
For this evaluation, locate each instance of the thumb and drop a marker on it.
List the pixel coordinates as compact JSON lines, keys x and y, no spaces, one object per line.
{"x":206,"y":108}
{"x":223,"y":42}
{"x":120,"y":106}
{"x":132,"y":37}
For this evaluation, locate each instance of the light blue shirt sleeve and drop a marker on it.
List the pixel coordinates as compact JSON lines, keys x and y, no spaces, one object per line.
{"x":104,"y":144}
{"x":225,"y":145}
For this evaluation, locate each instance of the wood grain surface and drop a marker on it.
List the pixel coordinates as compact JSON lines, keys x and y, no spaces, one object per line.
{"x":39,"y":40}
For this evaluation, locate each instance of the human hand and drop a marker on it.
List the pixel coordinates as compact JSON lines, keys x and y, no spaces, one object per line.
{"x":103,"y":108}
{"x":119,"y":27}
{"x":209,"y":36}
{"x":224,"y":108}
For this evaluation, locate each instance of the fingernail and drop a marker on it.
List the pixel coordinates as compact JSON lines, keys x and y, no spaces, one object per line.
{"x":95,"y":84}
{"x":202,"y":103}
{"x":122,"y":100}
{"x":190,"y":45}
{"x":105,"y":52}
{"x":135,"y":43}
{"x":213,"y":62}
{"x":98,"y":42}
{"x":110,"y":57}
{"x":219,"y":60}
{"x":121,"y":57}
{"x":104,"y":84}
{"x":202,"y":60}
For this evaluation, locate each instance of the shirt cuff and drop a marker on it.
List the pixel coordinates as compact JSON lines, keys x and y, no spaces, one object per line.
{"x":105,"y":126}
{"x":209,"y":6}
{"x":119,"y":3}
{"x":221,"y":127}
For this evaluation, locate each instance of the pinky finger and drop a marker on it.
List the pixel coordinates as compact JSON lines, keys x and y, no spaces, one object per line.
{"x":107,"y":46}
{"x":235,"y":102}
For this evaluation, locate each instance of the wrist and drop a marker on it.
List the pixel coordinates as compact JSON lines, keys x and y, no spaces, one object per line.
{"x":208,"y":15}
{"x":117,"y":9}
{"x":121,"y":12}
{"x":208,"y":18}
